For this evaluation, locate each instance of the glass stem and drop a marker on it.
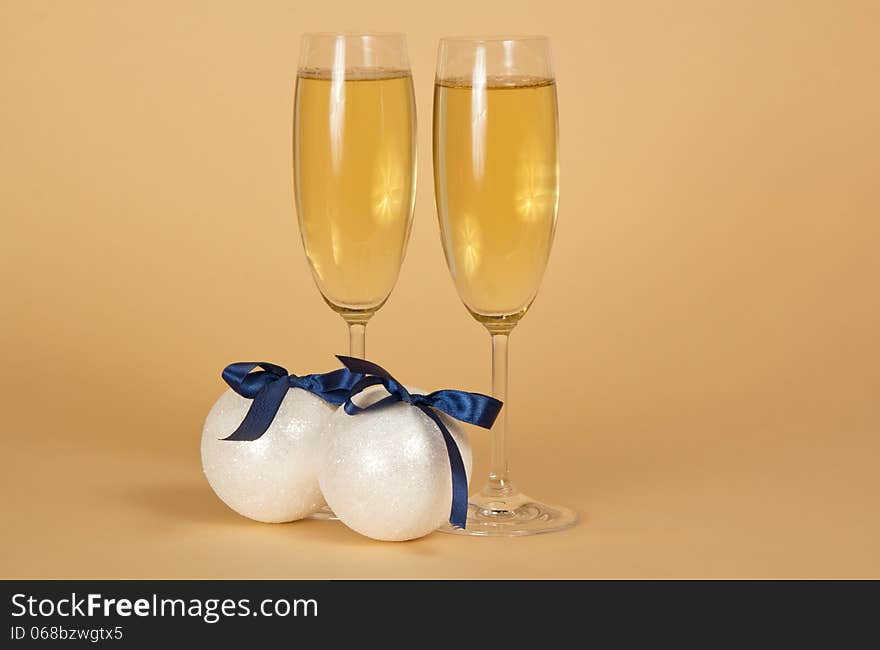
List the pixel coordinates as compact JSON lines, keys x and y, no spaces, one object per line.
{"x":356,"y":340}
{"x":499,"y":482}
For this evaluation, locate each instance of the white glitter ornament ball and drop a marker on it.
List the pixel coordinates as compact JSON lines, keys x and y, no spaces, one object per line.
{"x":273,"y":478}
{"x":386,"y":474}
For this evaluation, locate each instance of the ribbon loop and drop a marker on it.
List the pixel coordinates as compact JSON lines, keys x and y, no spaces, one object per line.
{"x":267,"y":388}
{"x":473,"y":408}
{"x":247,"y":383}
{"x":353,"y":409}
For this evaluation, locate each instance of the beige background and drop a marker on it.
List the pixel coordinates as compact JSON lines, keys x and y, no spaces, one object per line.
{"x":699,"y":376}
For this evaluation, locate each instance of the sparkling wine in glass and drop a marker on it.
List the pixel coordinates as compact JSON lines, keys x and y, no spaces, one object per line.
{"x":496,"y":185}
{"x":354,"y":169}
{"x":354,"y":160}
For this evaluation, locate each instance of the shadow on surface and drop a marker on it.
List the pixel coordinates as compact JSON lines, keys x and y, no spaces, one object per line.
{"x":193,"y":502}
{"x":181,"y":502}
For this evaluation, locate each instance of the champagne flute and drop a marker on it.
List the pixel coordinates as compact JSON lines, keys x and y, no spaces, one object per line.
{"x":496,"y":187}
{"x":354,"y":169}
{"x":354,"y":161}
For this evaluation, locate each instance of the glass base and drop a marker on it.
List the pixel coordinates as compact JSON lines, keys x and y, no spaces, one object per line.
{"x":324,"y":514}
{"x":511,"y":515}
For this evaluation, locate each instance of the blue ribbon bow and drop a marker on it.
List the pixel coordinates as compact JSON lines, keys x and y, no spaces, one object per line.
{"x":473,"y":408}
{"x":267,"y":387}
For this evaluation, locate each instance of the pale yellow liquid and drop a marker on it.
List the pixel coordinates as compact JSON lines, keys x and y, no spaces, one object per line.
{"x":354,"y":174}
{"x":496,"y":184}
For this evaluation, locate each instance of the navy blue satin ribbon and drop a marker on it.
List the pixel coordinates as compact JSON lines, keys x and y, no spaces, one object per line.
{"x":267,"y":387}
{"x":473,"y":408}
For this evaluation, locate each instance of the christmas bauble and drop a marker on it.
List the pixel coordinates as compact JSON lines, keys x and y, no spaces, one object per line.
{"x":273,"y":478}
{"x":386,"y":474}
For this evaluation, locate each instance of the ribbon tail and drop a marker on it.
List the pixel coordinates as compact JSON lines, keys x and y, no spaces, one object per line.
{"x":458,"y":512}
{"x":262,"y":412}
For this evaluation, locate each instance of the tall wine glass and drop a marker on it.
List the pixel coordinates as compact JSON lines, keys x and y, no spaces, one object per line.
{"x":496,"y":186}
{"x":354,"y":170}
{"x":354,"y":162}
